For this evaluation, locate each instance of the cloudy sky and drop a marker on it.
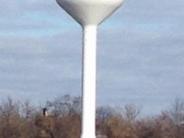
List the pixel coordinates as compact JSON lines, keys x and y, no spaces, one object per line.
{"x":140,"y":53}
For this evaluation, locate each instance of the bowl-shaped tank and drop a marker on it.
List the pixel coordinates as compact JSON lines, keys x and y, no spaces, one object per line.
{"x":90,"y":12}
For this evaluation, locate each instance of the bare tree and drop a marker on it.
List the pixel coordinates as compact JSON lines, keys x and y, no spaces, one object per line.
{"x":177,"y":115}
{"x":177,"y":111}
{"x":65,"y":105}
{"x":131,"y":112}
{"x":27,"y":111}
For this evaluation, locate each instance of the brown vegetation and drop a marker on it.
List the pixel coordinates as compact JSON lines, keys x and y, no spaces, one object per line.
{"x":22,"y":120}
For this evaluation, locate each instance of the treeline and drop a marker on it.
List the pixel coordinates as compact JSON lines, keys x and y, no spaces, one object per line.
{"x":63,"y":120}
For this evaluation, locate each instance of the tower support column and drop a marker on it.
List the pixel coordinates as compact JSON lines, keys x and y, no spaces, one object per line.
{"x":89,"y":81}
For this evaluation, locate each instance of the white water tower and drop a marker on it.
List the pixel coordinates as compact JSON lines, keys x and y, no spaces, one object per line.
{"x":89,"y":14}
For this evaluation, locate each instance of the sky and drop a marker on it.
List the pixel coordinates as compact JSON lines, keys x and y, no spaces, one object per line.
{"x":140,"y":57}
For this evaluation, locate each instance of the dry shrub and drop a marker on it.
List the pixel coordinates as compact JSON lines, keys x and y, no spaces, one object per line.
{"x":22,"y":120}
{"x":117,"y":127}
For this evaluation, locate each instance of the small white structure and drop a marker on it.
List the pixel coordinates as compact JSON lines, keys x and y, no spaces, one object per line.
{"x":89,"y":14}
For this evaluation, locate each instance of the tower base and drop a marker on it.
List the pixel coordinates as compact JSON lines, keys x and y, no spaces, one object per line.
{"x":88,"y":136}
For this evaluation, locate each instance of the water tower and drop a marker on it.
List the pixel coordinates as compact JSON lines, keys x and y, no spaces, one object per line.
{"x":89,"y":14}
